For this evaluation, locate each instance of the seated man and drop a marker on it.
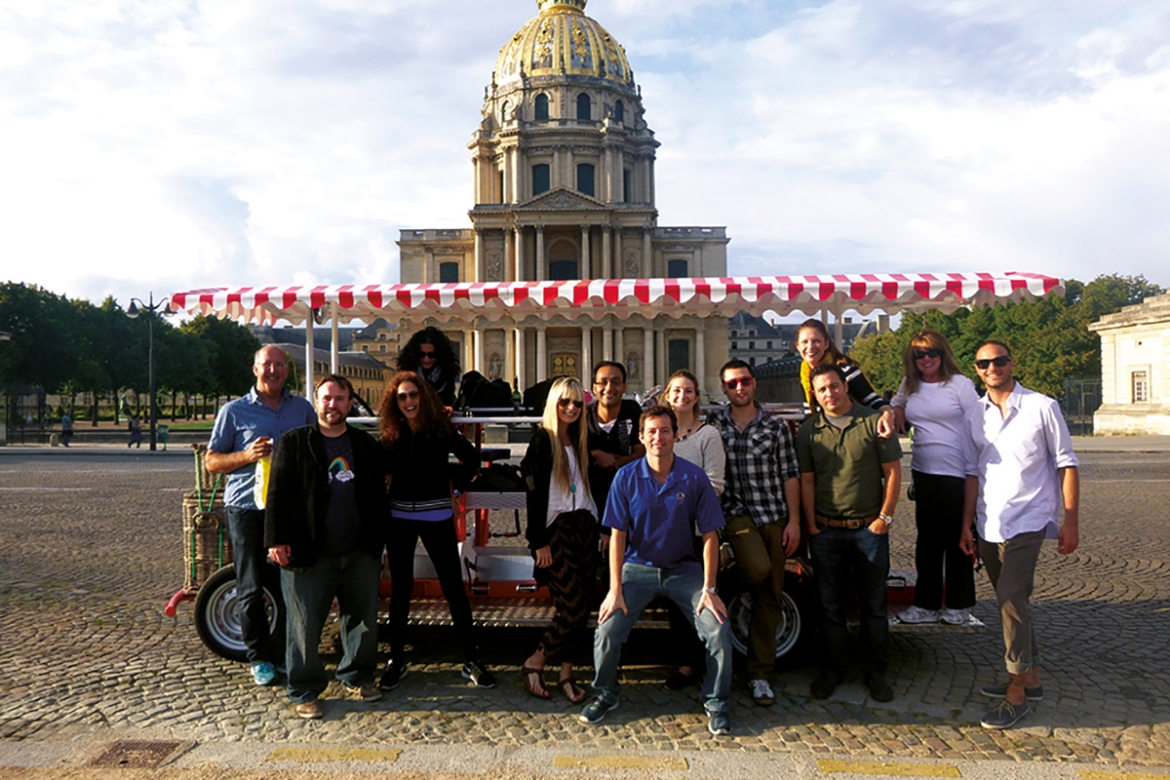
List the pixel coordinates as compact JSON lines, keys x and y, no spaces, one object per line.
{"x":653,"y":507}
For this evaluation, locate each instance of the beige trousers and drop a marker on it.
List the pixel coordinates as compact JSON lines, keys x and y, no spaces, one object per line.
{"x":1011,"y":566}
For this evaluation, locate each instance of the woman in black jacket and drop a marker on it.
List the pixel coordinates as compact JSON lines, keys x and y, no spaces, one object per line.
{"x":418,"y":437}
{"x":562,"y":533}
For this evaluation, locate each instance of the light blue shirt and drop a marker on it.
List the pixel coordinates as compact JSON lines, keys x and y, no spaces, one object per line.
{"x":241,"y":422}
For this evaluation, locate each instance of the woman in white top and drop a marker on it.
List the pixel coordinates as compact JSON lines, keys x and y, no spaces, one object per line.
{"x":562,"y":534}
{"x":702,"y":445}
{"x":933,"y":398}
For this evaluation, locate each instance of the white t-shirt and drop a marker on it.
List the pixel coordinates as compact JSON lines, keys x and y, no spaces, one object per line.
{"x":936,"y":411}
{"x":561,"y":500}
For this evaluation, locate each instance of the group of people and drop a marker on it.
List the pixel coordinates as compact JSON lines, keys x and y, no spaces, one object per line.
{"x":643,"y":500}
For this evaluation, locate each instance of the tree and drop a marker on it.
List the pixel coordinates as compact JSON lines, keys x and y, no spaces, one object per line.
{"x":232,"y":350}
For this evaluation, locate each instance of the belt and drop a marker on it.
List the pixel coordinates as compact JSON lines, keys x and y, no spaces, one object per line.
{"x":846,"y":522}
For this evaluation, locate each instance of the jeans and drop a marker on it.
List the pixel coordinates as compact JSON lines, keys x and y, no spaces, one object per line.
{"x":261,"y":641}
{"x":838,"y":553}
{"x":640,"y":584}
{"x":353,"y":579}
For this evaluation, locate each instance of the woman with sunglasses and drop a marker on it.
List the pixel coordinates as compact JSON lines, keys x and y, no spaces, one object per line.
{"x":702,"y":445}
{"x":429,"y":354}
{"x":815,"y":347}
{"x":562,"y":534}
{"x":932,"y":398}
{"x":418,"y":437}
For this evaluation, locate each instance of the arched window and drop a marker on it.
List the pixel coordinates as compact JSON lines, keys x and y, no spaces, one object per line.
{"x":584,"y":107}
{"x":540,"y":178}
{"x":585,"y":178}
{"x":619,"y":111}
{"x":542,"y":108}
{"x":504,"y":113}
{"x":448,"y":273}
{"x":677,"y":269}
{"x":562,"y":261}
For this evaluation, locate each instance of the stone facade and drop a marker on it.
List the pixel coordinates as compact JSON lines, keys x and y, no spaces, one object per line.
{"x":1135,"y":369}
{"x":563,"y":180}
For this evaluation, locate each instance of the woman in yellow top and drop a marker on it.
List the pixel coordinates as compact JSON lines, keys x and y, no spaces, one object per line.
{"x":815,"y":347}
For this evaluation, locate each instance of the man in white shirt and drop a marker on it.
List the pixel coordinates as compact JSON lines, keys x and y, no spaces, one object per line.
{"x":1021,"y":455}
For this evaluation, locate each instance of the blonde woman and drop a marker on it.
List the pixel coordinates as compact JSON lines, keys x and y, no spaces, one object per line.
{"x":562,"y":534}
{"x":702,"y":445}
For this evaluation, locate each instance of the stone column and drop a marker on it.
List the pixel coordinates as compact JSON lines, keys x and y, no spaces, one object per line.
{"x":541,"y":352}
{"x":648,"y":253}
{"x":540,"y":269}
{"x":607,"y":343}
{"x":586,"y":350}
{"x":648,"y":355}
{"x":586,"y":271}
{"x":518,"y":359}
{"x":519,"y":244}
{"x":619,"y":349}
{"x":701,"y":356}
{"x":619,"y":263}
{"x":606,"y":248}
{"x":660,"y":364}
{"x":480,"y":271}
{"x":514,"y":154}
{"x":509,"y":253}
{"x":570,"y":180}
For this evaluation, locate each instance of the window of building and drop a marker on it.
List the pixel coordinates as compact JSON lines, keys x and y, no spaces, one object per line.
{"x":584,"y":107}
{"x":678,"y":355}
{"x":540,"y":178}
{"x":559,"y":270}
{"x":448,"y":273}
{"x":734,"y":333}
{"x":542,"y":108}
{"x":619,"y":111}
{"x":585,"y":178}
{"x":735,"y":345}
{"x":769,"y":345}
{"x":1140,"y":381}
{"x":751,"y":361}
{"x":751,"y":345}
{"x":501,"y":186}
{"x":505,"y":111}
{"x":626,"y":185}
{"x":676,"y":269}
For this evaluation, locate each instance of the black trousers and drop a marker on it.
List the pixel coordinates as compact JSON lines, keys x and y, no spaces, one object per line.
{"x":938,"y":513}
{"x":438,"y":537}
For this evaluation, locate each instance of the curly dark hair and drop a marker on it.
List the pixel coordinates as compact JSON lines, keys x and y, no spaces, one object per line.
{"x":411,"y":353}
{"x":433,"y":419}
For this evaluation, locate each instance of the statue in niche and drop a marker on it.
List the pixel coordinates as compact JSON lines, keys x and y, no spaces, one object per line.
{"x":495,"y":366}
{"x":633,"y":365}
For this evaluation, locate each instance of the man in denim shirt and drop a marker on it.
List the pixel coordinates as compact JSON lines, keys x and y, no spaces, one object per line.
{"x":245,"y":432}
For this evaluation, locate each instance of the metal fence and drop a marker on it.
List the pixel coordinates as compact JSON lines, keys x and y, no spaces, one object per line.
{"x":1081,"y":398}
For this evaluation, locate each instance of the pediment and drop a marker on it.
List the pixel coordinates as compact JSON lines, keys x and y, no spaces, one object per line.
{"x":562,"y":199}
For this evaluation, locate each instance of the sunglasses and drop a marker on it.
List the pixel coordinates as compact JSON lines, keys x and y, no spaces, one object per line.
{"x":920,"y":354}
{"x":408,"y":396}
{"x":565,"y":403}
{"x":999,"y":362}
{"x":734,"y":384}
{"x":426,"y":355}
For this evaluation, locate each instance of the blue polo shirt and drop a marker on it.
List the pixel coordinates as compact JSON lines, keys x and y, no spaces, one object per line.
{"x":242,"y":421}
{"x":660,"y":520}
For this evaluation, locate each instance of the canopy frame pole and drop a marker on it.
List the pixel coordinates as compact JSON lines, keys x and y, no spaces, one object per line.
{"x":309,"y":381}
{"x":334,"y":350}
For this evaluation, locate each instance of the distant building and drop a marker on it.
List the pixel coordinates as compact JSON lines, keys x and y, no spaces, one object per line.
{"x":1135,"y":368}
{"x":379,"y":340}
{"x":757,"y":341}
{"x":369,"y":376}
{"x":295,"y":336}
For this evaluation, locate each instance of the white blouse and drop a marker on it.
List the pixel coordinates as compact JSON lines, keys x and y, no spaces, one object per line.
{"x":936,"y":412}
{"x":561,"y":500}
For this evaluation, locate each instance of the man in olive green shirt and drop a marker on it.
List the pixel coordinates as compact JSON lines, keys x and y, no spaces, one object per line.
{"x":849,"y":482}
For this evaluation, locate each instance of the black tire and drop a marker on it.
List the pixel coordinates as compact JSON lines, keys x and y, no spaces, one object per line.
{"x":215,"y":613}
{"x":792,"y":633}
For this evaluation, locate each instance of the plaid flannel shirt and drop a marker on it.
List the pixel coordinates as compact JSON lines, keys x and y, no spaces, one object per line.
{"x":759,"y":461}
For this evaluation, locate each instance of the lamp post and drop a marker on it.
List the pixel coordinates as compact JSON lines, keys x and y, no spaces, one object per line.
{"x":136,"y":305}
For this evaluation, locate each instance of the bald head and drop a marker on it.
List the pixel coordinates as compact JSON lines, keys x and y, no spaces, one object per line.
{"x":270,"y":365}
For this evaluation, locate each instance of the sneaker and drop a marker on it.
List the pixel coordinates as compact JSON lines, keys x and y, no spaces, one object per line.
{"x":1005,"y":715}
{"x":478,"y":674}
{"x":1000,"y":691}
{"x":823,"y":686}
{"x":595,"y":710}
{"x":916,"y":614}
{"x":955,"y":617}
{"x":263,"y":673}
{"x":394,"y":674}
{"x":363,"y":692}
{"x":309,"y":710}
{"x":762,"y":693}
{"x":879,"y":689}
{"x":719,"y":724}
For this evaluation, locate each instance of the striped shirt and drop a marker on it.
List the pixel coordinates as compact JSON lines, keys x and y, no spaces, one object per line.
{"x":242,"y":421}
{"x":760,"y":459}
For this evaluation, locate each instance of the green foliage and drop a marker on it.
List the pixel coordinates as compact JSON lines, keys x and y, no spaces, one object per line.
{"x":1049,"y":337}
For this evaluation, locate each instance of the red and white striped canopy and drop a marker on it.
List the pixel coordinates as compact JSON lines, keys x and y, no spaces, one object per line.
{"x":598,"y":298}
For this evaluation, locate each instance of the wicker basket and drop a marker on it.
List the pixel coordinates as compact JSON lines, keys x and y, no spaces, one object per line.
{"x":206,"y":545}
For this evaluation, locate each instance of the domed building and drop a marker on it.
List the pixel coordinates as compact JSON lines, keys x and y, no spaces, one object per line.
{"x":563,"y":168}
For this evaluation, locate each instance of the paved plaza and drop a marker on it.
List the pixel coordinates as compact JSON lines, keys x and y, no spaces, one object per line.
{"x":90,"y":549}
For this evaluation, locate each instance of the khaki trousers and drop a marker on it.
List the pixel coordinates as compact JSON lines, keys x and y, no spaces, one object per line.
{"x":1011,"y":566}
{"x":759,"y":551}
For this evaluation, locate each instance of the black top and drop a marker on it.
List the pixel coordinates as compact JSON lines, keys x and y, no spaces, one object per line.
{"x":619,"y":440}
{"x":423,"y":474}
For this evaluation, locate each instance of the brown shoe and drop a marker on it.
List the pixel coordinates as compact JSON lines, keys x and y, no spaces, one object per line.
{"x":310,"y":710}
{"x":363,"y":692}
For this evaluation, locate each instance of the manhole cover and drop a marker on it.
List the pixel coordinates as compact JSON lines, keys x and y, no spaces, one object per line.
{"x":146,"y":755}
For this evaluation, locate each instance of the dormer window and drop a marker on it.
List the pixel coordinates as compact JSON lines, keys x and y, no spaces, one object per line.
{"x":584,"y":107}
{"x":542,"y":108}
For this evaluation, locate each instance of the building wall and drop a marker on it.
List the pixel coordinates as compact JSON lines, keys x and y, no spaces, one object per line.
{"x":1135,"y":369}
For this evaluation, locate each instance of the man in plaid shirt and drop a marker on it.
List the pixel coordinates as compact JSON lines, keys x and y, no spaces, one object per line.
{"x":761,"y":503}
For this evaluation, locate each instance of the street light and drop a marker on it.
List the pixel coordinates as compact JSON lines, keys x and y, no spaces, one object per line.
{"x":136,"y":305}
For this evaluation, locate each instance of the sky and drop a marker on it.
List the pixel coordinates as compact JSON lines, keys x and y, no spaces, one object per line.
{"x":167,"y":145}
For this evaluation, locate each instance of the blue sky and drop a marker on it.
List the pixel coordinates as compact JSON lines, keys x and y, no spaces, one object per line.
{"x":173,"y":144}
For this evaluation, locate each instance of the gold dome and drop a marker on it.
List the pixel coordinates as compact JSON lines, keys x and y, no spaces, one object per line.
{"x":562,"y":40}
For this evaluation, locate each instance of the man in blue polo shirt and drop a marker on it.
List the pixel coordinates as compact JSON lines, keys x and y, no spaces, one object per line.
{"x":654,"y":506}
{"x":245,"y":432}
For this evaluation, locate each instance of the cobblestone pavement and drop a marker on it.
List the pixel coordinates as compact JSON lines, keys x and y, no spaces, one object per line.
{"x":90,"y":548}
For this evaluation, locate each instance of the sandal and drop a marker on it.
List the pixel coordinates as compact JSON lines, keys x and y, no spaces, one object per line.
{"x":539,"y":693}
{"x":574,"y":693}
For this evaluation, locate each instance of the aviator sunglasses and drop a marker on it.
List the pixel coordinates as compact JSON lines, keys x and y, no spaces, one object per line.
{"x":737,"y":382}
{"x":565,"y":403}
{"x":999,"y":362}
{"x":920,"y":354}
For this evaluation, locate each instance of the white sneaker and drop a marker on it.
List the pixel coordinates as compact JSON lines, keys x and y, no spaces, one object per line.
{"x":916,"y":614}
{"x":762,"y":693}
{"x":955,"y":617}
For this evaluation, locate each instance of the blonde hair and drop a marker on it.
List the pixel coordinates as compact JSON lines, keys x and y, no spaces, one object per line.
{"x":928,"y":339}
{"x":567,"y":387}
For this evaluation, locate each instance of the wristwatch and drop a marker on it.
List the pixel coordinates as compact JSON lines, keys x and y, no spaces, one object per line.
{"x":712,"y":591}
{"x":887,"y":519}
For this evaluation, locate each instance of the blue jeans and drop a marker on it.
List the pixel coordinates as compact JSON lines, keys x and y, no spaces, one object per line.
{"x":837,"y":555}
{"x":640,"y":584}
{"x":261,"y":641}
{"x":353,"y":579}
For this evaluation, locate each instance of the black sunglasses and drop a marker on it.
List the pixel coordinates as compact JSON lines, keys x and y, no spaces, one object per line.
{"x":565,"y":403}
{"x":407,"y":395}
{"x":919,"y":354}
{"x":999,"y":362}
